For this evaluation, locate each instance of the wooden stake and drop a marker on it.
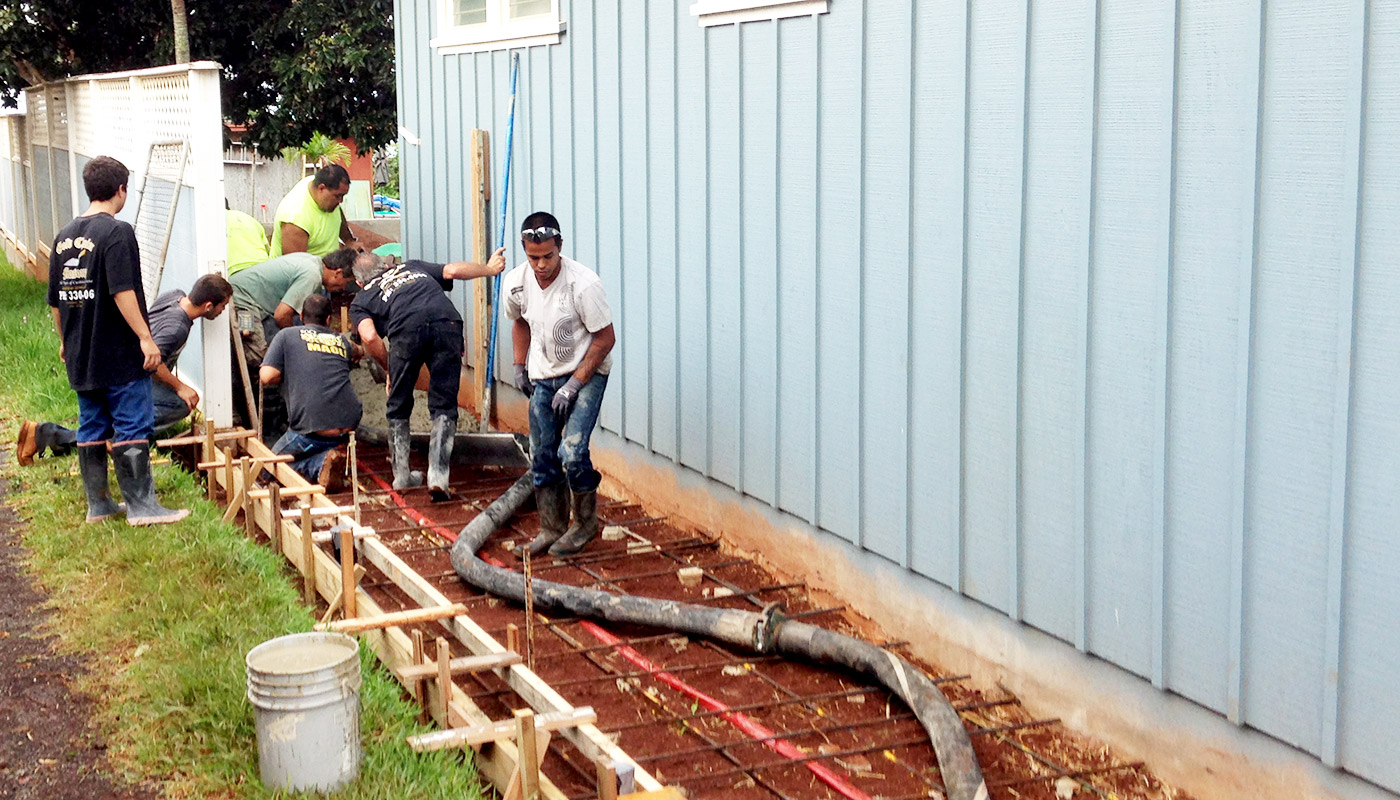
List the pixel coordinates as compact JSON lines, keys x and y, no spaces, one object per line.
{"x":444,"y":674}
{"x":339,"y":597}
{"x":250,"y":522}
{"x":209,"y":456}
{"x":308,"y":563}
{"x":512,"y":637}
{"x":354,"y":477}
{"x":344,"y":319}
{"x":607,"y":781}
{"x":529,"y":758}
{"x":274,"y":517}
{"x":228,"y":475}
{"x":348,"y":582}
{"x":420,"y":692}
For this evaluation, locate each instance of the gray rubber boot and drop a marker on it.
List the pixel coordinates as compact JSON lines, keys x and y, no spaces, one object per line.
{"x":92,"y":463}
{"x":553,"y":505}
{"x":139,"y":487}
{"x":58,"y":439}
{"x":585,"y":525}
{"x":399,"y":441}
{"x":440,"y":442}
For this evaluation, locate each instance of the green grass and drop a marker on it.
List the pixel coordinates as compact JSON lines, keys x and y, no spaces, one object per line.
{"x":164,"y":615}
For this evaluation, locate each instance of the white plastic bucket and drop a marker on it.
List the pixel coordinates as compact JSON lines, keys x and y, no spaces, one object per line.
{"x":305,"y":691}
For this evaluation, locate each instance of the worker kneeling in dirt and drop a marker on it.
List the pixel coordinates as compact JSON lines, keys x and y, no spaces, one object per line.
{"x":312,"y":364}
{"x":563,"y":339}
{"x":408,"y":304}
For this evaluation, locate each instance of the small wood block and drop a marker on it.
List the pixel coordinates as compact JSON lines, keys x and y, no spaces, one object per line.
{"x":690,"y":576}
{"x":614,"y":533}
{"x":607,"y":781}
{"x":473,"y":735}
{"x":461,"y":665}
{"x":513,"y":637}
{"x":290,"y":491}
{"x":643,"y":546}
{"x":322,"y":537}
{"x":396,"y":618}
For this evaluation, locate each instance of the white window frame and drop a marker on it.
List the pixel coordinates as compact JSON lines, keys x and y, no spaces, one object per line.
{"x":726,"y":12}
{"x":497,"y":32}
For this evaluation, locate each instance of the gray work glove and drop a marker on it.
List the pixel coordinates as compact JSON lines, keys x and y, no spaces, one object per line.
{"x":564,"y":398}
{"x":522,"y":380}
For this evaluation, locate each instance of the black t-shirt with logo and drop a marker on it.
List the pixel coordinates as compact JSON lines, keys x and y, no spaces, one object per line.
{"x":94,"y":258}
{"x":315,"y":365}
{"x":405,"y":297}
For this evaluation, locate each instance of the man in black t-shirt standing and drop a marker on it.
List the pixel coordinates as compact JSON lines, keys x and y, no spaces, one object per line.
{"x":99,"y":309}
{"x":312,"y":365}
{"x":408,"y":304}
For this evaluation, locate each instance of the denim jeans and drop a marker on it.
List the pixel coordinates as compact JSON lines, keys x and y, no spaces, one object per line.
{"x":439,"y":346}
{"x":308,"y":451}
{"x":170,"y":409}
{"x":559,"y":442}
{"x":124,"y":412}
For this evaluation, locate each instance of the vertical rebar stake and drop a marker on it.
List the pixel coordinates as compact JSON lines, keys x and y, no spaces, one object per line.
{"x":529,"y":613}
{"x":354,"y":477}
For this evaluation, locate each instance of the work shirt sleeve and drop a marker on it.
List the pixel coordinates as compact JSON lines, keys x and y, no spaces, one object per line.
{"x":514,"y":292}
{"x":121,"y":261}
{"x":302,"y":288}
{"x":593,"y":309}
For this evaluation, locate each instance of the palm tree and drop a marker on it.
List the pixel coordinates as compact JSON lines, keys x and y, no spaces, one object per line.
{"x":320,"y":150}
{"x":182,"y":32}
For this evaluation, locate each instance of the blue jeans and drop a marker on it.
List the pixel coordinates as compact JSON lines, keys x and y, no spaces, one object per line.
{"x":116,"y":413}
{"x":559,"y":442}
{"x":308,"y":451}
{"x":170,"y":409}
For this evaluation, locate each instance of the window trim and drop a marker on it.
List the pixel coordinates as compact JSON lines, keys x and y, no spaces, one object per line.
{"x":495,"y":33}
{"x":726,"y":12}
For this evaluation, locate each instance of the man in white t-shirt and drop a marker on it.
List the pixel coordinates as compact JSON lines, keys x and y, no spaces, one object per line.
{"x":562,"y":336}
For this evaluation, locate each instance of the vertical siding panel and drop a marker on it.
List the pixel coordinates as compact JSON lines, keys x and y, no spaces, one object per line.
{"x":437,"y":158}
{"x":1126,"y":340}
{"x":1369,"y":669}
{"x":412,"y":41}
{"x":1212,"y":249}
{"x":535,"y":171}
{"x":563,"y":148}
{"x":797,"y":233}
{"x":758,"y":226}
{"x":449,"y":188}
{"x":1060,"y":111}
{"x":838,"y":309}
{"x":996,"y":76}
{"x":611,"y":190}
{"x":692,"y":141}
{"x":632,"y":380}
{"x":886,"y":225}
{"x":724,"y":189}
{"x":1305,"y":225}
{"x":660,"y":235}
{"x":466,"y":121}
{"x":935,"y":403}
{"x":581,"y":241}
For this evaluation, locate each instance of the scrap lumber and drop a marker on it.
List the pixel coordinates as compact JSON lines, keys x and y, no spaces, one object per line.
{"x":460,"y":665}
{"x":473,"y":735}
{"x":395,"y":619}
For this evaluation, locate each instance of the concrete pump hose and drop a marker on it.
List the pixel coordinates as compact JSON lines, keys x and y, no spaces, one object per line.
{"x":763,"y":632}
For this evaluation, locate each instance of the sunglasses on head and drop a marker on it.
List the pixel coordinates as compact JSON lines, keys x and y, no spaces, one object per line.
{"x":539,"y":234}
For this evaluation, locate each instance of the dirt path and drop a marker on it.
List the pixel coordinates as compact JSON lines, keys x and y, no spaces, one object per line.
{"x":47,"y":746}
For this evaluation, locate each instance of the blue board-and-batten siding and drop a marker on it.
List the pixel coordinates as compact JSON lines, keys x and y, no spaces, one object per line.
{"x":1083,"y":310}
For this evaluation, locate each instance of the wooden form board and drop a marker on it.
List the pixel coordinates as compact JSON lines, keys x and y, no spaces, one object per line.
{"x":481,"y":306}
{"x":395,"y":648}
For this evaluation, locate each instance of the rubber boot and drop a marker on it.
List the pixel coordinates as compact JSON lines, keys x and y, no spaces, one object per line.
{"x":27,"y":443}
{"x":440,"y":442}
{"x":92,"y":463}
{"x":553,"y":505}
{"x":399,"y":441}
{"x":139,"y":487}
{"x":58,"y":439}
{"x":585,"y":525}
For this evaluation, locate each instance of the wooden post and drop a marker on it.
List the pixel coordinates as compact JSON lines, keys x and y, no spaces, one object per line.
{"x":250,"y":522}
{"x":528,"y":754}
{"x":308,"y":563}
{"x":347,"y":571}
{"x":209,"y":451}
{"x":481,"y":306}
{"x":512,"y":637}
{"x":228,"y":474}
{"x":444,"y":656}
{"x":344,"y":319}
{"x":274,"y":504}
{"x":420,"y":691}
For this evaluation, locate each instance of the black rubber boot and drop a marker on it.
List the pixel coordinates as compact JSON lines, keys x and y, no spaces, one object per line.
{"x":440,"y":441}
{"x":553,"y":505}
{"x":58,"y":439}
{"x":92,"y":463}
{"x":585,"y":525}
{"x":139,"y":487}
{"x":399,"y":441}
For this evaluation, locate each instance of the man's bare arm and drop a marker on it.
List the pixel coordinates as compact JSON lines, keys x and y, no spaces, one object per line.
{"x":373,"y":344}
{"x":58,"y":326}
{"x":598,"y":350}
{"x":466,"y":270}
{"x":269,"y":376}
{"x":294,"y":239}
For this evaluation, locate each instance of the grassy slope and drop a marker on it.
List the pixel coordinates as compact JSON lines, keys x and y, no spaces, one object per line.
{"x":165,"y":614}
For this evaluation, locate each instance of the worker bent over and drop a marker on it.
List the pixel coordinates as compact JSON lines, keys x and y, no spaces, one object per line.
{"x":562,"y":337}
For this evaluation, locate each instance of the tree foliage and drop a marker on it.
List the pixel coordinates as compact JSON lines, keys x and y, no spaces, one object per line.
{"x":291,"y":68}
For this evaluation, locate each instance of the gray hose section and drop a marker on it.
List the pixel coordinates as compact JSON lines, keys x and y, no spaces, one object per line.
{"x":957,"y":762}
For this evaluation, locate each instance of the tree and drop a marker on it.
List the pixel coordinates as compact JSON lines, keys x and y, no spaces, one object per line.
{"x":290,"y":67}
{"x":182,"y":31}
